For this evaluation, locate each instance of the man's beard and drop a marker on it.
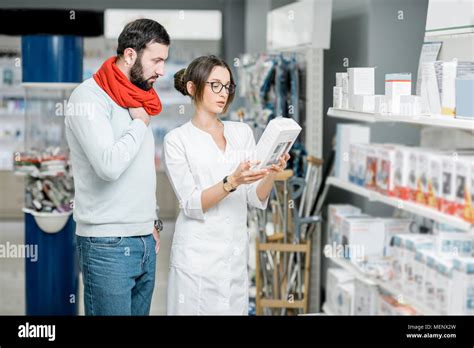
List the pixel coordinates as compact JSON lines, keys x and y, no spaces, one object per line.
{"x":136,"y":76}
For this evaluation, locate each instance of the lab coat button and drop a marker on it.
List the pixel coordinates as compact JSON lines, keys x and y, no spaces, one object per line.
{"x":236,"y":251}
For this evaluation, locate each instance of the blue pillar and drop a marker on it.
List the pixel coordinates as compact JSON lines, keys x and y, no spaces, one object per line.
{"x":51,"y":281}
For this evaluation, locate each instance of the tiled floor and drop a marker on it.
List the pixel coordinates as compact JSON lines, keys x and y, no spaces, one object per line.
{"x":12,"y":274}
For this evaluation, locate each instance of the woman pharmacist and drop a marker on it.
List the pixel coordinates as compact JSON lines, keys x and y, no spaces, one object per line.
{"x":207,"y":163}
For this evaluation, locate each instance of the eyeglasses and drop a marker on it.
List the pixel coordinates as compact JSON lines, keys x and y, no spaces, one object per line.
{"x":217,"y":87}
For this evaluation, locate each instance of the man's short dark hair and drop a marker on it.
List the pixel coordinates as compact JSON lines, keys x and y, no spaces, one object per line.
{"x":141,"y":32}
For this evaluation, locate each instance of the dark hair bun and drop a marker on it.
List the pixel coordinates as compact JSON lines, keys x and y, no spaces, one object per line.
{"x":179,"y":82}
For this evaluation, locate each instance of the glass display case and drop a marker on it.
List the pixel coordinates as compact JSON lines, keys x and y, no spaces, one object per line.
{"x":45,"y":160}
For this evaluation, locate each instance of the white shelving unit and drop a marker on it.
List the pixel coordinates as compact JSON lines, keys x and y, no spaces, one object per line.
{"x":426,"y":120}
{"x":383,"y":285}
{"x":402,"y":204}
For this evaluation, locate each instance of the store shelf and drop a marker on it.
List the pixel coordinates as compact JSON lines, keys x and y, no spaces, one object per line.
{"x":412,"y":207}
{"x":433,"y":120}
{"x":12,"y":92}
{"x":384,"y":285}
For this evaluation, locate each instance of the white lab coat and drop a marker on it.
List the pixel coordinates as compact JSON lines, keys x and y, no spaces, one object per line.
{"x":209,"y":254}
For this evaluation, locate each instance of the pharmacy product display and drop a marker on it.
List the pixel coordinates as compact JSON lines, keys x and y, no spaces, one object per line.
{"x":440,"y":179}
{"x":49,"y":186}
{"x":388,"y":267}
{"x":446,"y":90}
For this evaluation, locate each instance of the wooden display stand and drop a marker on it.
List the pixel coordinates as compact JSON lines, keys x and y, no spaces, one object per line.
{"x":277,"y":248}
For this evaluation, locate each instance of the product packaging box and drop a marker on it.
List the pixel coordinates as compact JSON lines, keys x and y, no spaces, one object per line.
{"x":371,"y":166}
{"x":430,"y":281}
{"x":385,"y":178}
{"x":419,"y":273}
{"x":464,"y":99}
{"x":361,"y":82}
{"x":402,"y":250}
{"x":340,"y":77}
{"x":422,"y":168}
{"x":382,"y":104}
{"x":337,"y":97}
{"x":448,"y":204}
{"x":444,"y":284}
{"x":402,"y":172}
{"x":461,"y":301}
{"x":358,"y":162}
{"x":463,"y":203}
{"x":365,"y":297}
{"x":276,"y":140}
{"x":394,"y":226}
{"x":472,"y":193}
{"x":365,"y":238}
{"x":412,"y":243}
{"x":336,"y":276}
{"x":345,"y":298}
{"x":410,"y":105}
{"x":364,"y":103}
{"x":450,"y":241}
{"x":346,"y":135}
{"x":435,"y":179}
{"x":333,"y":223}
{"x":397,"y":85}
{"x":388,"y":305}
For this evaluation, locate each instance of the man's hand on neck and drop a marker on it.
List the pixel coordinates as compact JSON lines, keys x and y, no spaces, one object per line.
{"x":139,"y":114}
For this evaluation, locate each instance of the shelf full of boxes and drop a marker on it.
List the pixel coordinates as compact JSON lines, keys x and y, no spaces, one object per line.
{"x":385,"y":266}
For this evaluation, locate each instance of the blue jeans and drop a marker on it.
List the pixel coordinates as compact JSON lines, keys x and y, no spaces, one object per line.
{"x":118,"y":274}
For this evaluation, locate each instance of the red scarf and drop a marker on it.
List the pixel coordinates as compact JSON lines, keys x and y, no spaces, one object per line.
{"x":123,"y":92}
